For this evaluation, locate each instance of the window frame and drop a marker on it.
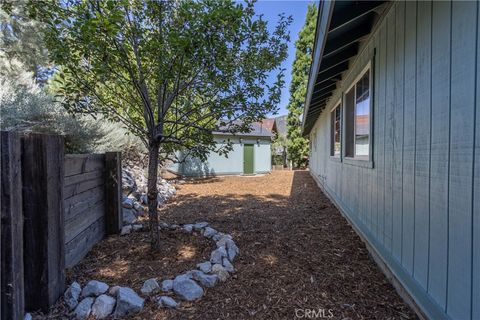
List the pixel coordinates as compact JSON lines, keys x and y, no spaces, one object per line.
{"x":364,"y":161}
{"x":338,"y":157}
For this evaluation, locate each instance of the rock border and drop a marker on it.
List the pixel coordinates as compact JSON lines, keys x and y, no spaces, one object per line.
{"x":100,"y":300}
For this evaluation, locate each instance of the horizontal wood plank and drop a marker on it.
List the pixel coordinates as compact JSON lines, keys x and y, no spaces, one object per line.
{"x":78,"y":247}
{"x":81,"y":221}
{"x":81,"y":163}
{"x":78,"y":188}
{"x":83,"y":201}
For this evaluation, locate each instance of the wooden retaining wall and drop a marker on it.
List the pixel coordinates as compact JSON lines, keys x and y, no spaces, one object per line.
{"x":84,"y":203}
{"x":54,"y":209}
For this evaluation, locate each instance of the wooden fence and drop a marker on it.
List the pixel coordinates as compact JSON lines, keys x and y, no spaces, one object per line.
{"x":54,"y":209}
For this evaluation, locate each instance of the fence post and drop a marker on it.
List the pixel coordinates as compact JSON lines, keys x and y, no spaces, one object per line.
{"x":113,"y":192}
{"x":11,"y":283}
{"x":44,"y":241}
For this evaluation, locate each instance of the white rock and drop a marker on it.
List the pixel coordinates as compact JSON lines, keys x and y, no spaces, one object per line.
{"x":150,"y":286}
{"x":27,"y":316}
{"x":84,"y":308}
{"x":187,"y":228}
{"x":137,"y":227}
{"x":103,"y":306}
{"x":128,"y":302}
{"x":128,"y":216}
{"x":227,"y":265}
{"x":232,"y":250}
{"x":209,"y":232}
{"x":113,"y":290}
{"x":217,"y":255}
{"x":125,"y":230}
{"x":205,"y":266}
{"x":206,"y":280}
{"x":220,"y":271}
{"x":186,"y":288}
{"x":72,"y":294}
{"x":127,"y":203}
{"x":200,"y":225}
{"x":94,"y":288}
{"x":222,"y":242}
{"x":167,"y":302}
{"x":167,"y":285}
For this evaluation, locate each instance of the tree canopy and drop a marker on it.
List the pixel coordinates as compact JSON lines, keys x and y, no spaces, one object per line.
{"x":171,"y":71}
{"x":297,"y":144}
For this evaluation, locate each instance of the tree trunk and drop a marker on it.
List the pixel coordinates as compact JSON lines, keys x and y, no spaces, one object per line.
{"x":152,"y":194}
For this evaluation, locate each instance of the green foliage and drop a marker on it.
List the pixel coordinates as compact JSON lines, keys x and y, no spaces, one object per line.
{"x":21,"y":40}
{"x":297,"y":144}
{"x":170,"y":71}
{"x":25,"y":107}
{"x":279,"y":147}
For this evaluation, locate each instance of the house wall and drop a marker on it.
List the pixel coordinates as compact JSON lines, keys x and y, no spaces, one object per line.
{"x":232,"y":164}
{"x":418,"y":205}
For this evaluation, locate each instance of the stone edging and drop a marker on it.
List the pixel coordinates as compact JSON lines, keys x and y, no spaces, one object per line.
{"x":99,"y":300}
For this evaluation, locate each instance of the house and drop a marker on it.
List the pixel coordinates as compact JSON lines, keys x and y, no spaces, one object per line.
{"x":392,"y":115}
{"x":251,"y":154}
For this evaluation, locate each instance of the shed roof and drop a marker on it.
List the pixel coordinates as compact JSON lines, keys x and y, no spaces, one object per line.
{"x":341,"y":28}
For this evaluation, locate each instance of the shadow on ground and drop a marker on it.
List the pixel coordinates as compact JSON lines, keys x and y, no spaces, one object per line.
{"x":297,"y":252}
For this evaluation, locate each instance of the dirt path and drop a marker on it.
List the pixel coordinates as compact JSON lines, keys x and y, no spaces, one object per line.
{"x":297,"y":253}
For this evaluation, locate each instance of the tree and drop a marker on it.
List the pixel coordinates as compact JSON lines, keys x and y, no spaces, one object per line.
{"x":297,"y":144}
{"x":21,"y":41}
{"x":170,"y":71}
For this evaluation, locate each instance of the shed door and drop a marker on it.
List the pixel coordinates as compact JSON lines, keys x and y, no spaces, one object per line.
{"x":248,"y":159}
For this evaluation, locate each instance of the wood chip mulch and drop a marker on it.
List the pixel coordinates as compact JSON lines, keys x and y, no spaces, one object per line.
{"x":297,"y":254}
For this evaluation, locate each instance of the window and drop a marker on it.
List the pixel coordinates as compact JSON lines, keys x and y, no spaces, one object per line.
{"x":336,"y":124}
{"x":357,"y":117}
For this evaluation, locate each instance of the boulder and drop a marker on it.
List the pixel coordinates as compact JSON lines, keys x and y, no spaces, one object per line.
{"x":232,"y":250}
{"x":167,"y":285}
{"x":186,"y":288}
{"x":217,"y":255}
{"x":200,"y":225}
{"x":128,"y":182}
{"x":72,"y":294}
{"x":205,"y":266}
{"x":150,"y":286}
{"x":125,"y":230}
{"x":209,"y":232}
{"x":128,"y":302}
{"x":127,"y":203}
{"x":103,"y":306}
{"x":137,"y":227}
{"x":27,"y":316}
{"x":187,"y":228}
{"x":206,"y":280}
{"x":222,"y":242}
{"x":144,"y":199}
{"x":94,"y":288}
{"x":113,"y":290}
{"x":220,"y":271}
{"x":228,"y":265}
{"x":129,"y":216}
{"x":167,"y":302}
{"x":84,"y":308}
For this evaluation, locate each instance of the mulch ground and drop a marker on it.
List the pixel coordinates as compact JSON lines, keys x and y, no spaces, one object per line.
{"x":297,"y":254}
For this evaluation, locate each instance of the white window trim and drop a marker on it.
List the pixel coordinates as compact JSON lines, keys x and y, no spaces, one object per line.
{"x":332,"y":130}
{"x":368,"y":158}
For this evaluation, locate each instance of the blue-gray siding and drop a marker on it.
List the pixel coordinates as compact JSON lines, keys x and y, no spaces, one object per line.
{"x":419,"y":205}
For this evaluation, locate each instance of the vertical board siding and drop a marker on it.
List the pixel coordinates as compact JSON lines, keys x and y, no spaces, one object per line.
{"x":419,"y":204}
{"x":476,"y":191}
{"x":398,"y":131}
{"x":437,"y":283}
{"x":461,"y":158}
{"x":422,"y":142}
{"x":388,"y":142}
{"x":409,"y":137}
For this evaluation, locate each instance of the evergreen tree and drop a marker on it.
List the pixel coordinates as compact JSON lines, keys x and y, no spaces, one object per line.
{"x":298,"y":145}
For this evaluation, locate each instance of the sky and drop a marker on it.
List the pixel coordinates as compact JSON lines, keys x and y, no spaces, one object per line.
{"x":298,"y":10}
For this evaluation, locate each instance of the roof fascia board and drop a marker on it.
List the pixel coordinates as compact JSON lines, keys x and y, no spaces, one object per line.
{"x":323,"y":22}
